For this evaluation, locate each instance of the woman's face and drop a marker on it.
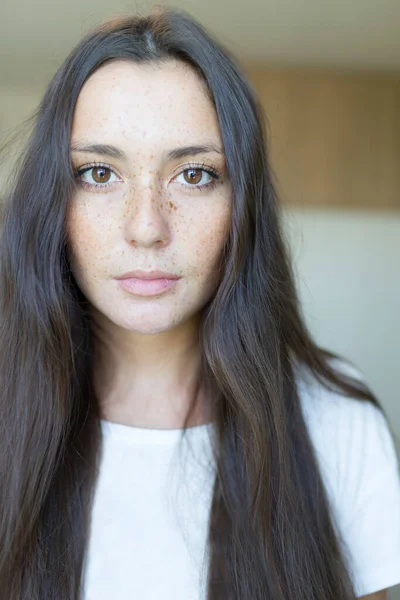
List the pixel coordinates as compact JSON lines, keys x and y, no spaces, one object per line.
{"x":145,"y":209}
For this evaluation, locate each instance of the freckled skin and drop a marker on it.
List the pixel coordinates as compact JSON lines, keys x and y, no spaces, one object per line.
{"x":147,"y":221}
{"x":149,"y":218}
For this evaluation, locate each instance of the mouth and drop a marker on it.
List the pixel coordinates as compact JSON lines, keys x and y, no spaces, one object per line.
{"x":140,"y":274}
{"x":147,"y":287}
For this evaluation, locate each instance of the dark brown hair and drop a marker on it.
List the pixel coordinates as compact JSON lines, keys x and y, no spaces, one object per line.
{"x":271,"y":531}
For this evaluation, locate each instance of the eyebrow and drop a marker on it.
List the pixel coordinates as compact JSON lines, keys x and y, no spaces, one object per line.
{"x":114,"y":152}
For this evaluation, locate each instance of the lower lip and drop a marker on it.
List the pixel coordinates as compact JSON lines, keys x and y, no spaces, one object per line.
{"x":147,"y":287}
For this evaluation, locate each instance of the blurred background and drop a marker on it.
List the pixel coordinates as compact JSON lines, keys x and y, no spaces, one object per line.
{"x":328,"y":76}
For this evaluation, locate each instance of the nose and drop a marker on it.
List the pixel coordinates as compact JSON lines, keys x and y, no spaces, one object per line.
{"x":146,"y":222}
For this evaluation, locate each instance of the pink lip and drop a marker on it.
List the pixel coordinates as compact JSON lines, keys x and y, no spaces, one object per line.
{"x":147,"y":287}
{"x":139,"y":274}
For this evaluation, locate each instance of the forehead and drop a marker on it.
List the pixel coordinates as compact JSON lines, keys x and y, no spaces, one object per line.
{"x":147,"y":101}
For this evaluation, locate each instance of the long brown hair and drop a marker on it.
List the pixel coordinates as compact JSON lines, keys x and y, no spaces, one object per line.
{"x":271,"y":535}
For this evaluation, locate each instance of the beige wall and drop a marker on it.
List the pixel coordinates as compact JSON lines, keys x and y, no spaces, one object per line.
{"x":335,"y":138}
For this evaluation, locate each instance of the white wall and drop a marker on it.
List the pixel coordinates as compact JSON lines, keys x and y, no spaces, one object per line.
{"x":348,"y":270}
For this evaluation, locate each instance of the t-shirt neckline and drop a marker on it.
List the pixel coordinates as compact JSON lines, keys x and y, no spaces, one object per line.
{"x":144,"y":435}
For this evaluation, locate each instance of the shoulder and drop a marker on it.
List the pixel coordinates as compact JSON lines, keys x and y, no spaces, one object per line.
{"x":360,"y":468}
{"x":351,"y":437}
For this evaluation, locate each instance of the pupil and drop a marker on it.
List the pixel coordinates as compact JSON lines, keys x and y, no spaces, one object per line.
{"x":194,"y":175}
{"x":100,"y":173}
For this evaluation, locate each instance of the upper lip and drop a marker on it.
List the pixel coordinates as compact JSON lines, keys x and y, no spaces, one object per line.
{"x":139,"y":274}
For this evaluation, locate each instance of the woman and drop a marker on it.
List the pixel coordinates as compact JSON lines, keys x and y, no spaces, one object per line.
{"x":148,"y":298}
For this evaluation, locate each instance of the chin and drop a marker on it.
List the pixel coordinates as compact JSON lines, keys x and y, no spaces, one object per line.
{"x":150,"y":325}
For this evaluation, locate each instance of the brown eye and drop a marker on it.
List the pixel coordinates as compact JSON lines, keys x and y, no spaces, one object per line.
{"x":193,"y":175}
{"x":95,"y":177}
{"x":100,"y":174}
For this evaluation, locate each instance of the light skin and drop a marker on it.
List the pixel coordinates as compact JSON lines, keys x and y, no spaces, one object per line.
{"x":148,"y":358}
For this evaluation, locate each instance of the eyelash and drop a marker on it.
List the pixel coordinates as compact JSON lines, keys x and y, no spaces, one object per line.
{"x":101,"y":186}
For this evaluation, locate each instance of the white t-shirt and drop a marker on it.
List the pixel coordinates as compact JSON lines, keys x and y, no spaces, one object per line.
{"x":151,"y":507}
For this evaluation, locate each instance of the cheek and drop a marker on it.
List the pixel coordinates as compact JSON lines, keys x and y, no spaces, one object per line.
{"x":209,"y":241}
{"x":87,"y":241}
